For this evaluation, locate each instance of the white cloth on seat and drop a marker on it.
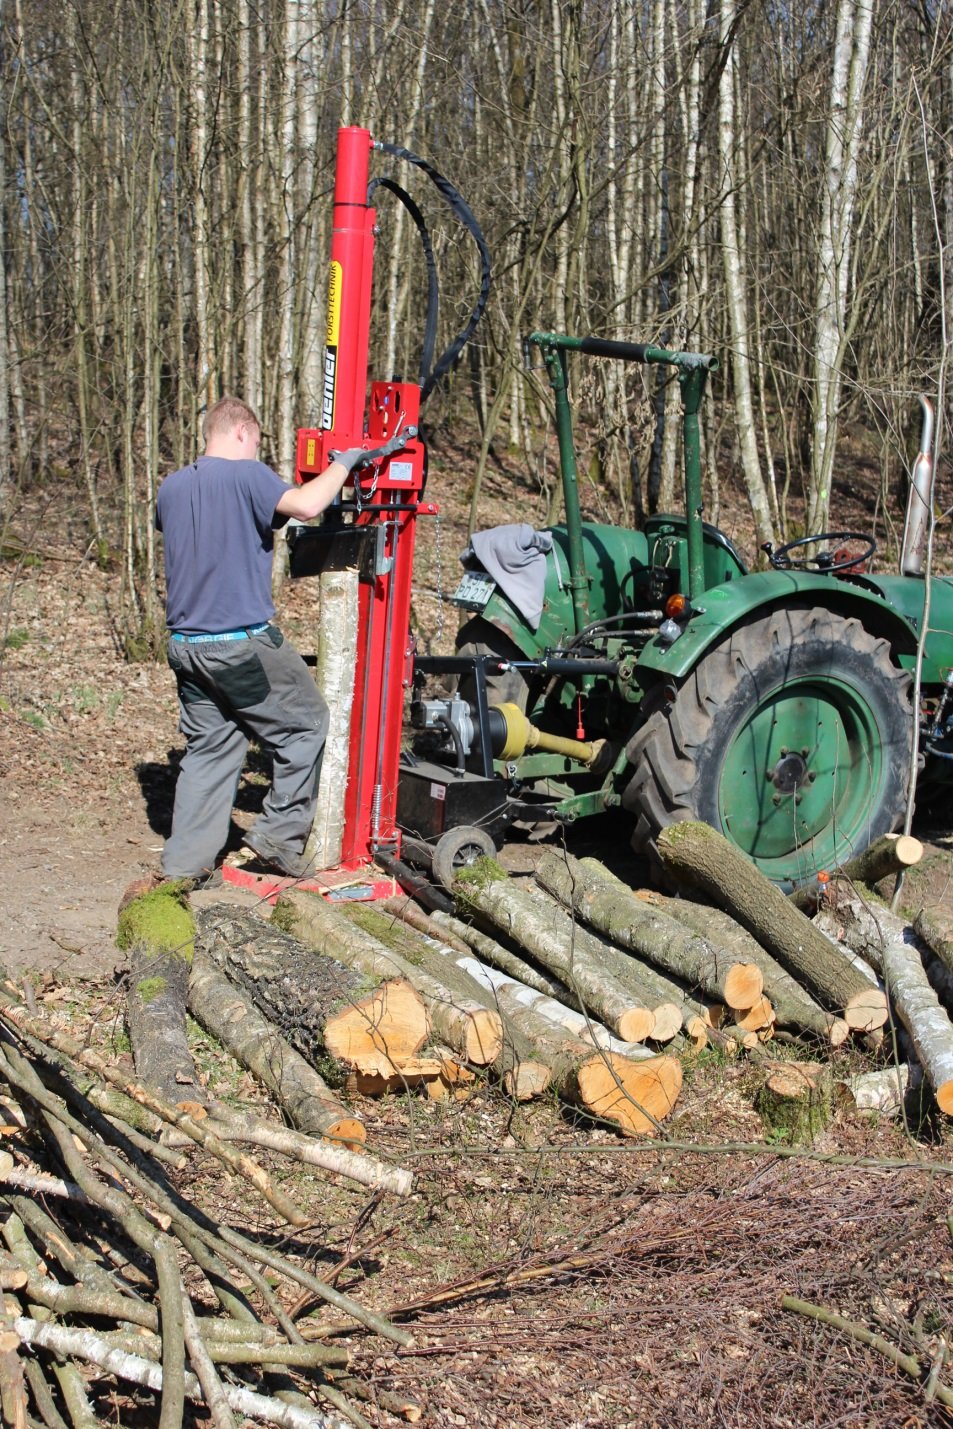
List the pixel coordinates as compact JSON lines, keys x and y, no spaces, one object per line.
{"x":515,"y":556}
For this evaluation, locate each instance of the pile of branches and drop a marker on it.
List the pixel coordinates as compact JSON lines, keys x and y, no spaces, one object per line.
{"x":115,"y":1277}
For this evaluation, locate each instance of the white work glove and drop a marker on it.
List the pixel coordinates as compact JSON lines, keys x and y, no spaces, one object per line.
{"x":355,"y":457}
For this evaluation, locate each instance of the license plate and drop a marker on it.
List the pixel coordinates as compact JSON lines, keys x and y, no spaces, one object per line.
{"x":474,"y":590}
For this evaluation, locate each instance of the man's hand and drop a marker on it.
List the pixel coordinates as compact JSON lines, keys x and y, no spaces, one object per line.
{"x":356,"y":457}
{"x":303,"y":503}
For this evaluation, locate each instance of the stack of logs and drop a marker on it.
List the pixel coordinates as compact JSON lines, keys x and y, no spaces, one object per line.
{"x":575,"y":984}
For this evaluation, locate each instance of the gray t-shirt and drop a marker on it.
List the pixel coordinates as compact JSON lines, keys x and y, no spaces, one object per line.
{"x":216,"y":518}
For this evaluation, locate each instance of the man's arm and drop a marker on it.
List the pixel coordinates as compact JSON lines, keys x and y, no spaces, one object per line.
{"x":305,"y":502}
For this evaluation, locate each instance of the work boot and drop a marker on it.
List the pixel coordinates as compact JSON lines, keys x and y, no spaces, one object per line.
{"x":292,"y":865}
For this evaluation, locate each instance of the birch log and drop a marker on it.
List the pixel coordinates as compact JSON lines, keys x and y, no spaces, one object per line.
{"x":650,"y":932}
{"x":896,"y":952}
{"x":695,"y":852}
{"x":472,"y":1030}
{"x":337,"y":655}
{"x":884,"y":1090}
{"x":635,"y":1089}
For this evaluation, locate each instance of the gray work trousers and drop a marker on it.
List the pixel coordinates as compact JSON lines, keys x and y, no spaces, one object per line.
{"x":229,"y":691}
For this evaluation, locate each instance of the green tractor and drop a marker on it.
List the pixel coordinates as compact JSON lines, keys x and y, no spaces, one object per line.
{"x":663,"y":678}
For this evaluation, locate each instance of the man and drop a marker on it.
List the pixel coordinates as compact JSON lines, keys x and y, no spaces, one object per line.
{"x":236,"y":674}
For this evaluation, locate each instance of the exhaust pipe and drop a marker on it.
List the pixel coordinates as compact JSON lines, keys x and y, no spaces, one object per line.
{"x":916,"y":527}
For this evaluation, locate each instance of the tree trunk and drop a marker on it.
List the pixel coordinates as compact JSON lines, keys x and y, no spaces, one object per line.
{"x":892,"y":948}
{"x":256,"y":1043}
{"x":649,"y":931}
{"x":337,"y":655}
{"x":157,"y":931}
{"x":796,"y":1099}
{"x":729,"y":129}
{"x":693,"y":851}
{"x":468,"y":1027}
{"x":317,"y":1002}
{"x":839,"y":187}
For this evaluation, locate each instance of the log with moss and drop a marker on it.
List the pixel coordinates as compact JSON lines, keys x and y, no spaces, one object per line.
{"x":467,"y":1026}
{"x":323,"y":1006}
{"x":650,"y":932}
{"x":695,"y":853}
{"x":230,"y":1016}
{"x":156,"y":929}
{"x":795,"y":1099}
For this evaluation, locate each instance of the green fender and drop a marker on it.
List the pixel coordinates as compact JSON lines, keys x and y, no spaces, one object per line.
{"x":872,"y":600}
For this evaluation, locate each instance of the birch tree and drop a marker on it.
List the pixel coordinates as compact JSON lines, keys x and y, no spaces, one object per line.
{"x":838,"y":203}
{"x":735,"y":282}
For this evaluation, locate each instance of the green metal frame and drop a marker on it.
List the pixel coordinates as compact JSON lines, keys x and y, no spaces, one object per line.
{"x":692,"y":369}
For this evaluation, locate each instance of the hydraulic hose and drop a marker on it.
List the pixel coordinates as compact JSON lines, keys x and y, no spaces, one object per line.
{"x":464,"y":214}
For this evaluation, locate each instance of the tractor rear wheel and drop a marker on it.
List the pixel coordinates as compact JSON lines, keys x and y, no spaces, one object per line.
{"x":479,"y":636}
{"x":792,"y":737}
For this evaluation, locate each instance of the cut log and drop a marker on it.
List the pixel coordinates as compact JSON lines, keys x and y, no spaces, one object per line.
{"x":415,"y":1071}
{"x":885,"y":1090}
{"x":793,"y":1006}
{"x":473,"y":1031}
{"x":229,"y":1015}
{"x":608,"y":985}
{"x":337,"y":653}
{"x":926,"y":901}
{"x":694,"y":852}
{"x":605,"y":903}
{"x":935,"y":926}
{"x":896,"y":952}
{"x":885,"y":858}
{"x":521,"y":1076}
{"x":156,"y":929}
{"x":757,"y":1018}
{"x":317,"y":1002}
{"x":605,"y":1082}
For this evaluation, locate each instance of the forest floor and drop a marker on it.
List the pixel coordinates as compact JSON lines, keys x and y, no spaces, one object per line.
{"x":561,"y":1276}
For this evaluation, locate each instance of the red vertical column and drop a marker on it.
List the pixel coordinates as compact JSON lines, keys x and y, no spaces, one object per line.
{"x":344,"y":394}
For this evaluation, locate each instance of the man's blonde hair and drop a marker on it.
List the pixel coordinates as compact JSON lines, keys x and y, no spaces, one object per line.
{"x":225,"y":415}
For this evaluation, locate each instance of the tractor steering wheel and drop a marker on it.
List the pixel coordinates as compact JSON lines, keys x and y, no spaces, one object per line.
{"x":824,"y":562}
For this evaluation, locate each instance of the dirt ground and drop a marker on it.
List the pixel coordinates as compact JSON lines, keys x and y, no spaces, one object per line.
{"x":560,"y":1275}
